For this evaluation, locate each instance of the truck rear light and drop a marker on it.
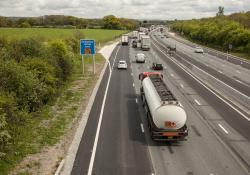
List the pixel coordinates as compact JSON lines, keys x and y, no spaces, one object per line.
{"x":170,"y":134}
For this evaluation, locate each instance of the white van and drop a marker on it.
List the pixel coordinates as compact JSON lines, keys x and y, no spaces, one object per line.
{"x":140,"y":58}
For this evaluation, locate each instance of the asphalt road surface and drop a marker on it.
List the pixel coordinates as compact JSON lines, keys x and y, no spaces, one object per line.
{"x":203,"y":152}
{"x":122,"y":148}
{"x":218,"y":140}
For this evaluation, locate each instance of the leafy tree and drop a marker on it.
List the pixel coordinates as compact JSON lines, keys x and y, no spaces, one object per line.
{"x":25,"y":24}
{"x":220,"y":11}
{"x":111,"y":22}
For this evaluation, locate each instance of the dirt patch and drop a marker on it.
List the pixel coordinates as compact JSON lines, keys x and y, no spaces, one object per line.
{"x":46,"y":162}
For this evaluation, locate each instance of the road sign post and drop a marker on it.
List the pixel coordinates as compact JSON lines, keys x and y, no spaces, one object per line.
{"x":87,"y":47}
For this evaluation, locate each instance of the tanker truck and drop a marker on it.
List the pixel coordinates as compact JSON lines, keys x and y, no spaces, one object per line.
{"x":166,"y":117}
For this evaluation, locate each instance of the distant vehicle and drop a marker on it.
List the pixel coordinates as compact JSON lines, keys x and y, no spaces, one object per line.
{"x":172,"y":47}
{"x":157,"y":66}
{"x":135,"y":34}
{"x":198,"y":50}
{"x":166,"y":36}
{"x":124,"y":39}
{"x":140,"y":35}
{"x":145,"y":42}
{"x":161,"y":29}
{"x":134,"y":44}
{"x":165,"y":115}
{"x":140,"y":58}
{"x":122,"y":64}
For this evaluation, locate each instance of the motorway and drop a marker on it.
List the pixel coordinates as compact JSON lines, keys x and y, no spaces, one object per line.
{"x":122,"y":148}
{"x":116,"y":139}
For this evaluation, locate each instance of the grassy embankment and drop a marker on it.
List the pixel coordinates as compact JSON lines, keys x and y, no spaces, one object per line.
{"x":46,"y":126}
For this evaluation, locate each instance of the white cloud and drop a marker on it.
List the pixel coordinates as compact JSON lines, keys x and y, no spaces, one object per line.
{"x":138,"y":9}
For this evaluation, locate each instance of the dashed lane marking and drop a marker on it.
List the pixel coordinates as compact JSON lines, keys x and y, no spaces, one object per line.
{"x":223,"y":128}
{"x":196,"y":101}
{"x":142,"y":129}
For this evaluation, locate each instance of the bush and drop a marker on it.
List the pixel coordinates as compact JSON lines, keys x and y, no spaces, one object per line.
{"x":6,"y":111}
{"x":22,"y":83}
{"x":59,"y":57}
{"x":45,"y":73}
{"x":19,"y":49}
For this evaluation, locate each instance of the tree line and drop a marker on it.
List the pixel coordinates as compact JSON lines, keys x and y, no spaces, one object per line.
{"x":107,"y":22}
{"x":219,"y":32}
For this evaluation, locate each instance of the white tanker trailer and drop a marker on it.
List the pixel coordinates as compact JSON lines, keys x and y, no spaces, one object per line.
{"x":166,"y":117}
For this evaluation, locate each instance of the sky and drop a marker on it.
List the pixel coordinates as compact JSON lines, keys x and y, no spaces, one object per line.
{"x":135,"y":9}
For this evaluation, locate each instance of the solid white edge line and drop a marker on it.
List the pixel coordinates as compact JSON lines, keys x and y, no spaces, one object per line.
{"x":196,"y":101}
{"x":136,"y":100}
{"x":220,"y":71}
{"x":223,"y":128}
{"x":91,"y":163}
{"x":199,"y":81}
{"x":133,"y":84}
{"x":142,"y":128}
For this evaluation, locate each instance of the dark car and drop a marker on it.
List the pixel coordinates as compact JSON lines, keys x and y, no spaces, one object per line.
{"x":134,"y":44}
{"x":157,"y":66}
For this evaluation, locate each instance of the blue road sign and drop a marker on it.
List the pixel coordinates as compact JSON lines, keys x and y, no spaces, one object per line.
{"x":87,"y":47}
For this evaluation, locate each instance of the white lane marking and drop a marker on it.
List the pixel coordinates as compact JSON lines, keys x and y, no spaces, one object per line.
{"x":199,"y":81}
{"x":211,"y":76}
{"x":91,"y":163}
{"x":165,"y":67}
{"x":133,"y":84}
{"x":238,"y":81}
{"x":181,"y":85}
{"x":220,"y":71}
{"x":207,"y":65}
{"x":132,"y":74}
{"x":241,"y":82}
{"x":196,"y":101}
{"x":136,"y":100}
{"x":239,"y":72}
{"x":142,"y":129}
{"x":223,"y":128}
{"x":114,"y":59}
{"x":172,"y":75}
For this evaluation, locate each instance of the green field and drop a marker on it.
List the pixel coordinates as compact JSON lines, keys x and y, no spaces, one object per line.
{"x":47,"y":34}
